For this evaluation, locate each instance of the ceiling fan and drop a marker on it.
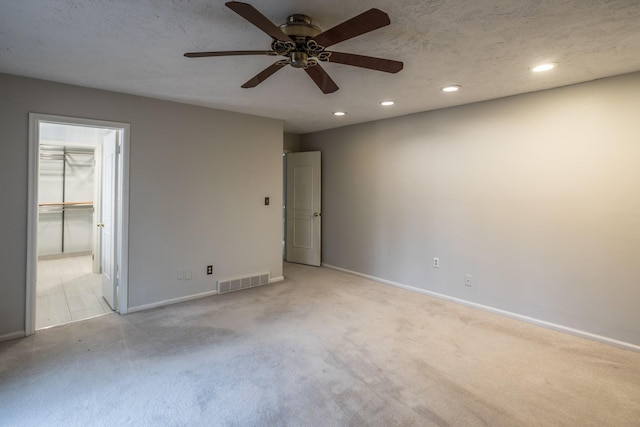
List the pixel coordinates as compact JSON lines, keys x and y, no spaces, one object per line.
{"x":303,"y":45}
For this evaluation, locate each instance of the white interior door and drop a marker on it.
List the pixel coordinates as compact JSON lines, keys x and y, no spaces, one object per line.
{"x":108,"y":218}
{"x":304,"y":218}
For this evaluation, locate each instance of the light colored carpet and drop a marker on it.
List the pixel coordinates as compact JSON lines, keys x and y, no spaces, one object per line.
{"x":322,"y":348}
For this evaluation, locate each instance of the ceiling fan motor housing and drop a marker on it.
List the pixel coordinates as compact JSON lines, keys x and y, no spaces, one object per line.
{"x":299,"y":26}
{"x":299,"y":53}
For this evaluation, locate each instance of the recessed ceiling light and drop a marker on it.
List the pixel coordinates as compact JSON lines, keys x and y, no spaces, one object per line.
{"x":339,"y":113}
{"x":452,"y":88}
{"x":387,"y":103}
{"x":544,"y":67}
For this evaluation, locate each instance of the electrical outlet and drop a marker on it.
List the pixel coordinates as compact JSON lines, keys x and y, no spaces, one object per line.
{"x":266,"y":201}
{"x":209,"y":269}
{"x":436,"y":262}
{"x":467,"y":280}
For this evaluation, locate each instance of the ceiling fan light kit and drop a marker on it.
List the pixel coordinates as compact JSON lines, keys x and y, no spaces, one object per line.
{"x":303,"y":45}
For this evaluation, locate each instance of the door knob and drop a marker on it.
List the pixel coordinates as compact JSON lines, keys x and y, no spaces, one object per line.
{"x":100,"y":225}
{"x":317,"y":214}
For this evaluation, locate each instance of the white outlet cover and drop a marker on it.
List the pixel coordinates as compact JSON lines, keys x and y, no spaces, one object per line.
{"x":436,"y":262}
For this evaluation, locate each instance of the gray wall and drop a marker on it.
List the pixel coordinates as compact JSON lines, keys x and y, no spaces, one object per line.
{"x":197,"y":186}
{"x":536,"y":196}
{"x":291,"y":142}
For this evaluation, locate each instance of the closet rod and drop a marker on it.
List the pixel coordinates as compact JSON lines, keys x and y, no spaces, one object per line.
{"x":66,"y":204}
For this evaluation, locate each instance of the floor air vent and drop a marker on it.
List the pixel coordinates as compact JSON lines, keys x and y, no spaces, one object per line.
{"x":232,"y":285}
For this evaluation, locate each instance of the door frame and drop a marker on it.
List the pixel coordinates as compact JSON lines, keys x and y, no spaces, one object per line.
{"x":122,"y":233}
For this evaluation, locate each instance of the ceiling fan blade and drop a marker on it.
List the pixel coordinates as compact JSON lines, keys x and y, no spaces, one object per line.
{"x":252,"y":15}
{"x":367,"y":21}
{"x":226,"y":53}
{"x":263,"y":75}
{"x":379,"y":64}
{"x":322,"y":79}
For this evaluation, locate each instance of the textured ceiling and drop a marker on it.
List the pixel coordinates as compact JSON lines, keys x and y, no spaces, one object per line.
{"x":486,"y":46}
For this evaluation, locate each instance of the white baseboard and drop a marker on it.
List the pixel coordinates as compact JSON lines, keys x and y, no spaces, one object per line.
{"x":187,"y":298}
{"x":12,"y":336}
{"x":171,"y":301}
{"x":532,"y":320}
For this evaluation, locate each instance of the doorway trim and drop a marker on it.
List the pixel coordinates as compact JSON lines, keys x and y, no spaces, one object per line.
{"x":122,"y":236}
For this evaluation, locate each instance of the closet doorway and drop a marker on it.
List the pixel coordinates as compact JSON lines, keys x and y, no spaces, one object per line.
{"x":77,"y":242}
